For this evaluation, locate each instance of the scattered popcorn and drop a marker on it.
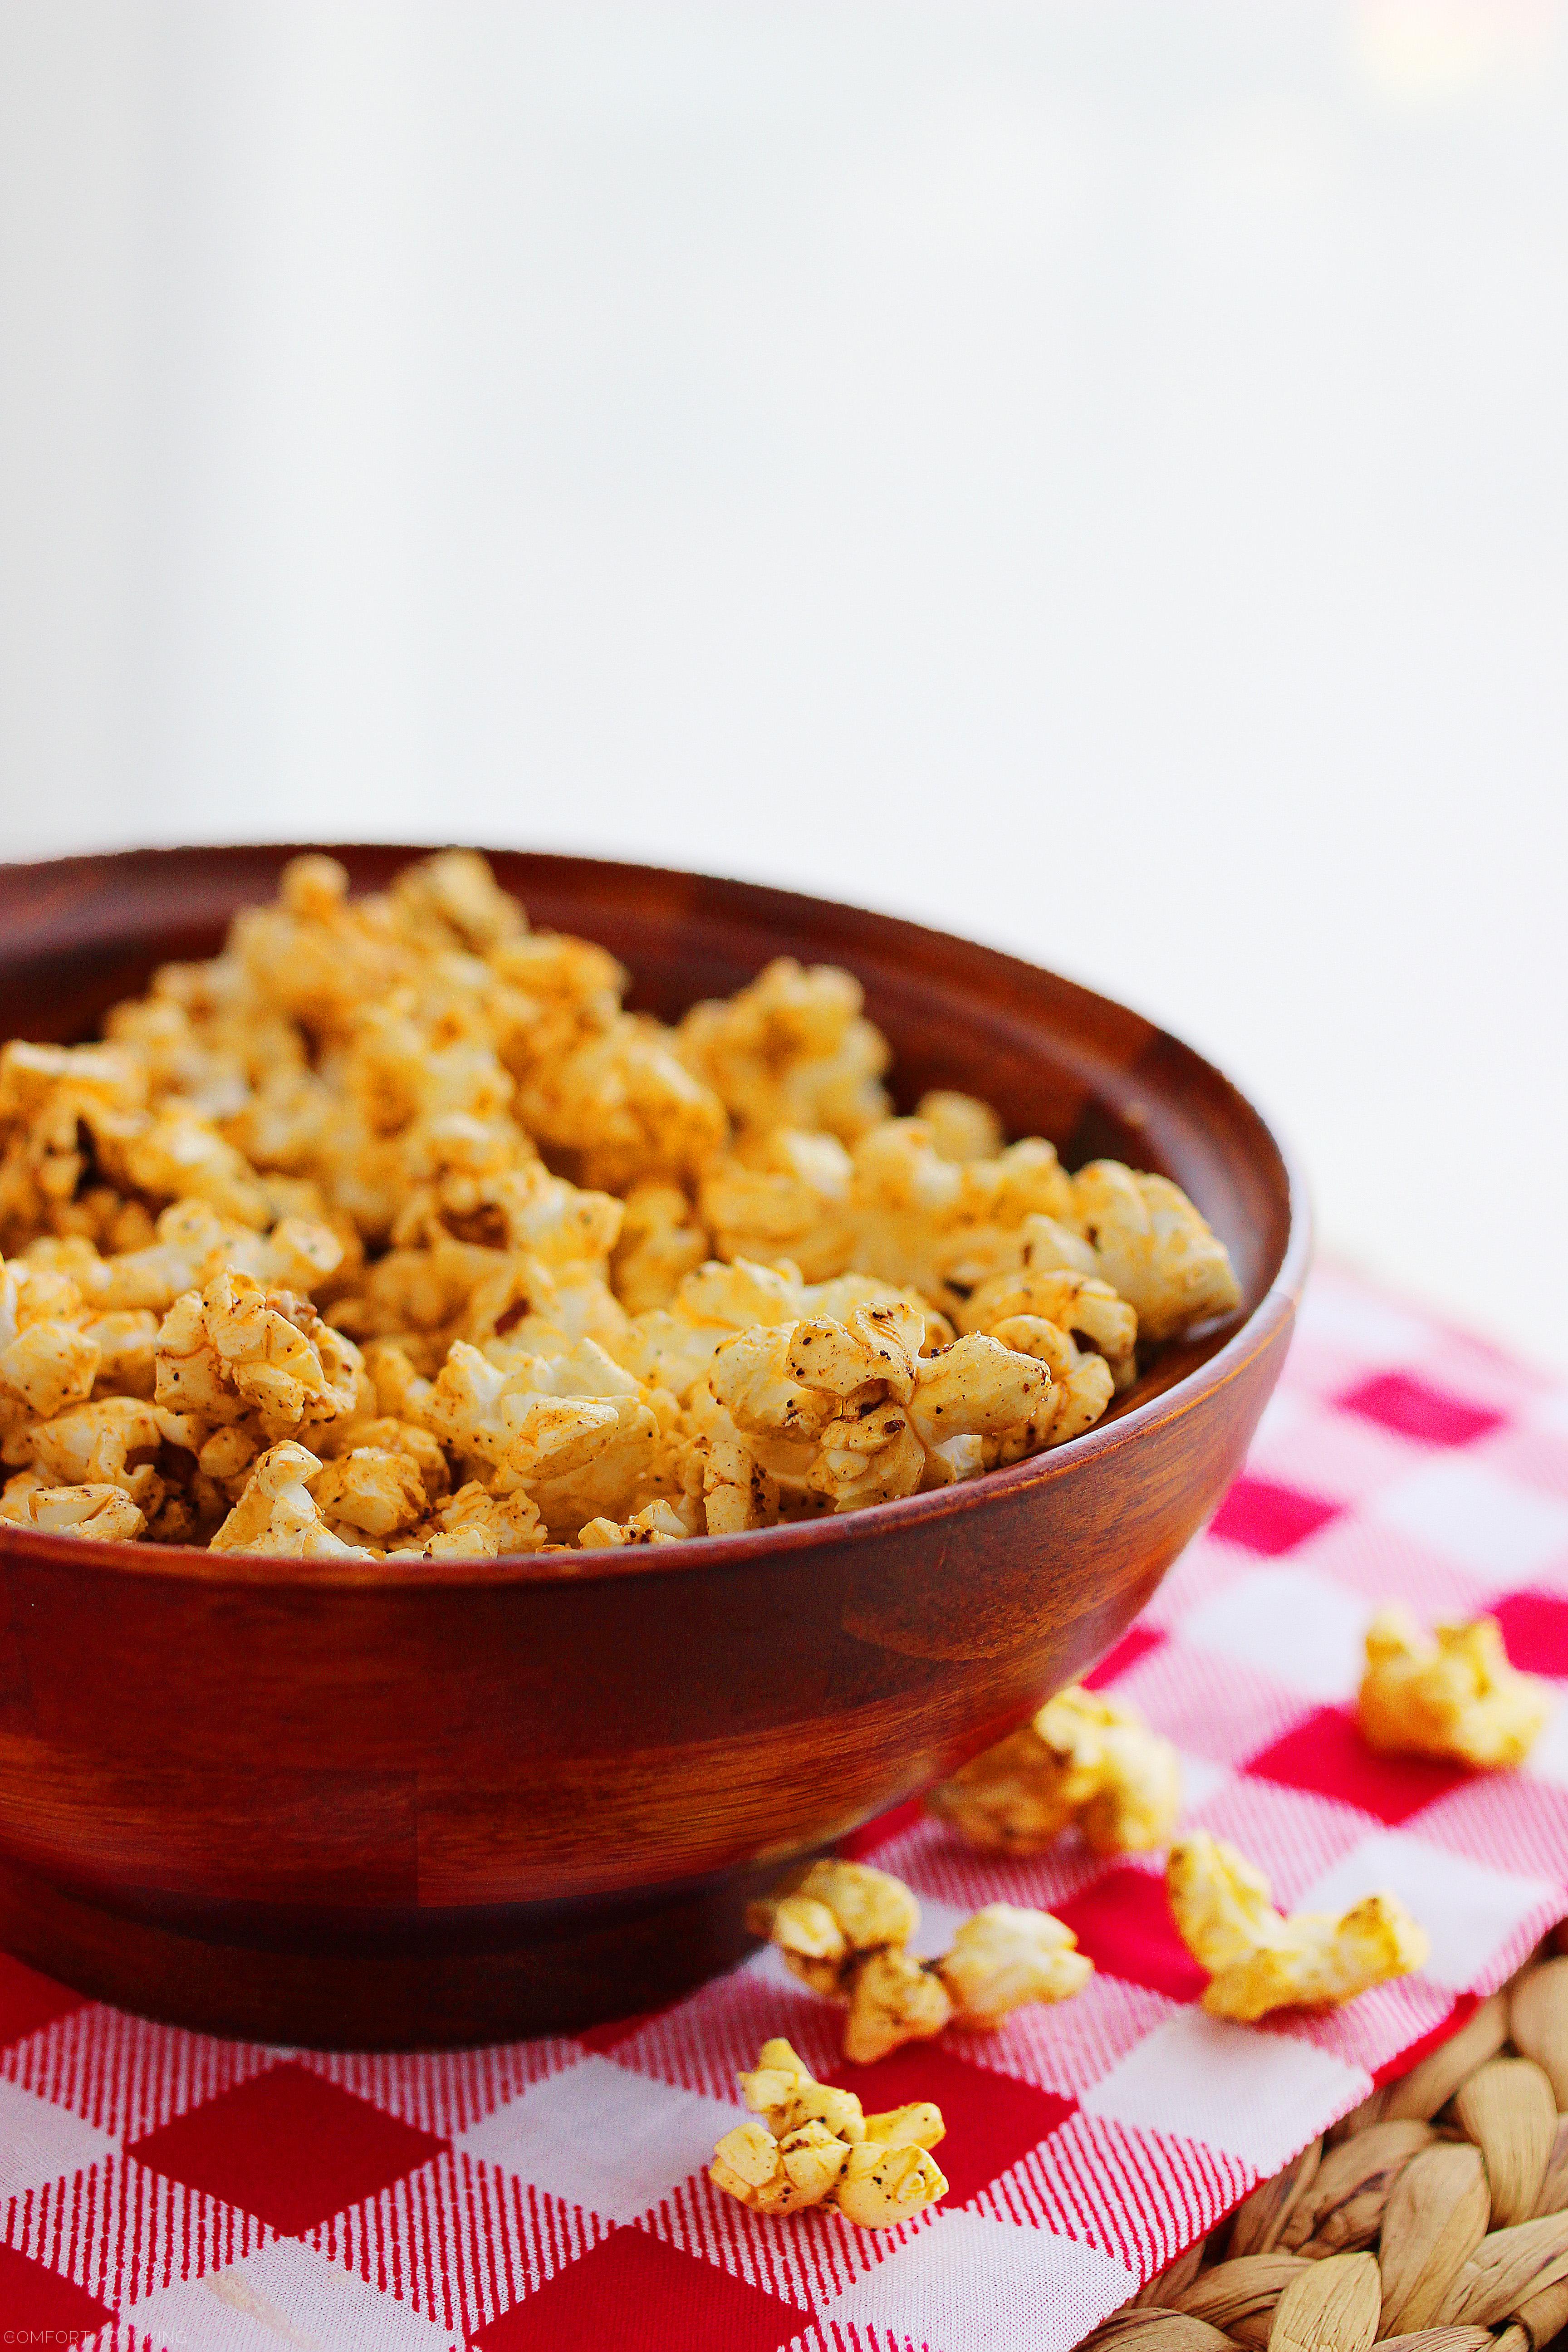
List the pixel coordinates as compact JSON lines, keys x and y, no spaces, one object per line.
{"x":1084,"y":1761}
{"x":1259,"y":1960}
{"x":844,"y":1928}
{"x":1003,"y":1959}
{"x":391,"y":1231}
{"x":814,"y":2146}
{"x":1455,"y":1696}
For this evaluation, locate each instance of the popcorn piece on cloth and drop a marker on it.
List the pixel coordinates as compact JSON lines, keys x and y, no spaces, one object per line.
{"x":844,"y":1928}
{"x":1084,"y":1761}
{"x":813,"y":2145}
{"x":1455,"y":1696}
{"x":1259,"y":1960}
{"x":1004,"y":1957}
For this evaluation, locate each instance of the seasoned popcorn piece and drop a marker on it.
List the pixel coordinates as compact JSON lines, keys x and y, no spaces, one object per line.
{"x":979,"y":1388}
{"x":894,"y":1998}
{"x":1154,"y":1248}
{"x":1081,"y":1386}
{"x":105,"y":1513}
{"x":1081,"y":1306}
{"x":656,"y":1523}
{"x":660,"y":1243}
{"x":127,"y":1344}
{"x":627,"y":1106}
{"x":1004,"y":1957}
{"x":883,"y":2186}
{"x":671,"y":1347}
{"x":844,"y":1928}
{"x":750,"y":1376}
{"x":738,"y":1494}
{"x":95,"y":1444}
{"x":50,"y":1364}
{"x":314,"y":955}
{"x":831,"y":1917}
{"x":371,"y":1490}
{"x":1084,"y":1761}
{"x":1454,"y":1695}
{"x":792,"y":1049}
{"x":813,"y":2145}
{"x":478,"y":1522}
{"x":277,"y":1514}
{"x":782,"y":1194}
{"x":453,"y":899}
{"x":1259,"y":1960}
{"x":237,"y":1349}
{"x":575,"y":1429}
{"x":961,"y":1127}
{"x":192,"y":1244}
{"x":877,"y":1341}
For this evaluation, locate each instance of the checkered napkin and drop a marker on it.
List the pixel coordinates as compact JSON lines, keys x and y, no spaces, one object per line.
{"x":165,"y":2192}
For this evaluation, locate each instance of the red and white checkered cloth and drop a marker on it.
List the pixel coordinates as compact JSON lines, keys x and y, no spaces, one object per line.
{"x":165,"y":2192}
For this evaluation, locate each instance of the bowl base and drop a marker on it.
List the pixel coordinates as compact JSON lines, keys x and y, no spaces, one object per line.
{"x":530,"y":1969}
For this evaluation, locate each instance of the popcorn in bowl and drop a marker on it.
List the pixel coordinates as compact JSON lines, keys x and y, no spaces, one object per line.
{"x":390,"y":1233}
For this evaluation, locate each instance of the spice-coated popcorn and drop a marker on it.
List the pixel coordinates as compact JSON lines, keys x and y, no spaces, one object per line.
{"x":1259,"y":1960}
{"x":1084,"y":1761}
{"x":278,"y":1513}
{"x":398,"y":1188}
{"x":844,"y":1928}
{"x":1455,"y":1696}
{"x":813,"y":2145}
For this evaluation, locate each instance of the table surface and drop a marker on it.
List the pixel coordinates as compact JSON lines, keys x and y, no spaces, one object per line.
{"x":552,"y":2196}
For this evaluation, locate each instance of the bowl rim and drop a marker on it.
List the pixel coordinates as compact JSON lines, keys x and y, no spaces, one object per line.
{"x":798,"y":1540}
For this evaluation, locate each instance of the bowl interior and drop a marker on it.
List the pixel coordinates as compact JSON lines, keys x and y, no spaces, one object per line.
{"x":1054,"y":1058}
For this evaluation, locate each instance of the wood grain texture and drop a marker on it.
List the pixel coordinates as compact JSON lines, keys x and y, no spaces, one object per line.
{"x":438,"y":1802}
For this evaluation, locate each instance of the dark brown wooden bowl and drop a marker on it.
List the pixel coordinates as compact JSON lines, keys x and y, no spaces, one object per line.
{"x":376,"y":1805}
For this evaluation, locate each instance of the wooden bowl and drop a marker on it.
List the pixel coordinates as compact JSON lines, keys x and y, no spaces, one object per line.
{"x":371,"y":1805}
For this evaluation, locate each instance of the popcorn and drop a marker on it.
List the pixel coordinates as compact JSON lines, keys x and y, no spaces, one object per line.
{"x":792,"y":1049}
{"x":1259,"y":1960}
{"x":276,"y":1513}
{"x":1455,"y":1696}
{"x":1084,"y":1313}
{"x":1150,"y":1244}
{"x":659,"y":1245}
{"x":1084,"y":1761}
{"x":961,"y":1127}
{"x":1004,"y":1957}
{"x":813,"y":2145}
{"x":843,"y":1927}
{"x":104,"y":1512}
{"x":235,"y":1348}
{"x":402,"y":1183}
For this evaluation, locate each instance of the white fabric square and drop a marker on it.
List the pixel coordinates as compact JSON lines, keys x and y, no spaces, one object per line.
{"x":1464,"y":1512}
{"x":1232,"y":2086}
{"x":1200,"y":1781}
{"x":1303,"y":1631}
{"x":968,"y":2284}
{"x":283,"y":2295}
{"x":1468,"y":1910}
{"x":1548,"y":1760}
{"x":603,"y":2137}
{"x":39,"y":2141}
{"x":1345,"y":1316}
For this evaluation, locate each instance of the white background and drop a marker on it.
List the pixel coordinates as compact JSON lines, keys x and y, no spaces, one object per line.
{"x":1094,"y":476}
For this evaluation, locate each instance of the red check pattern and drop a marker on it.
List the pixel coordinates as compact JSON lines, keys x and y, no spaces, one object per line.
{"x":163,"y":2192}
